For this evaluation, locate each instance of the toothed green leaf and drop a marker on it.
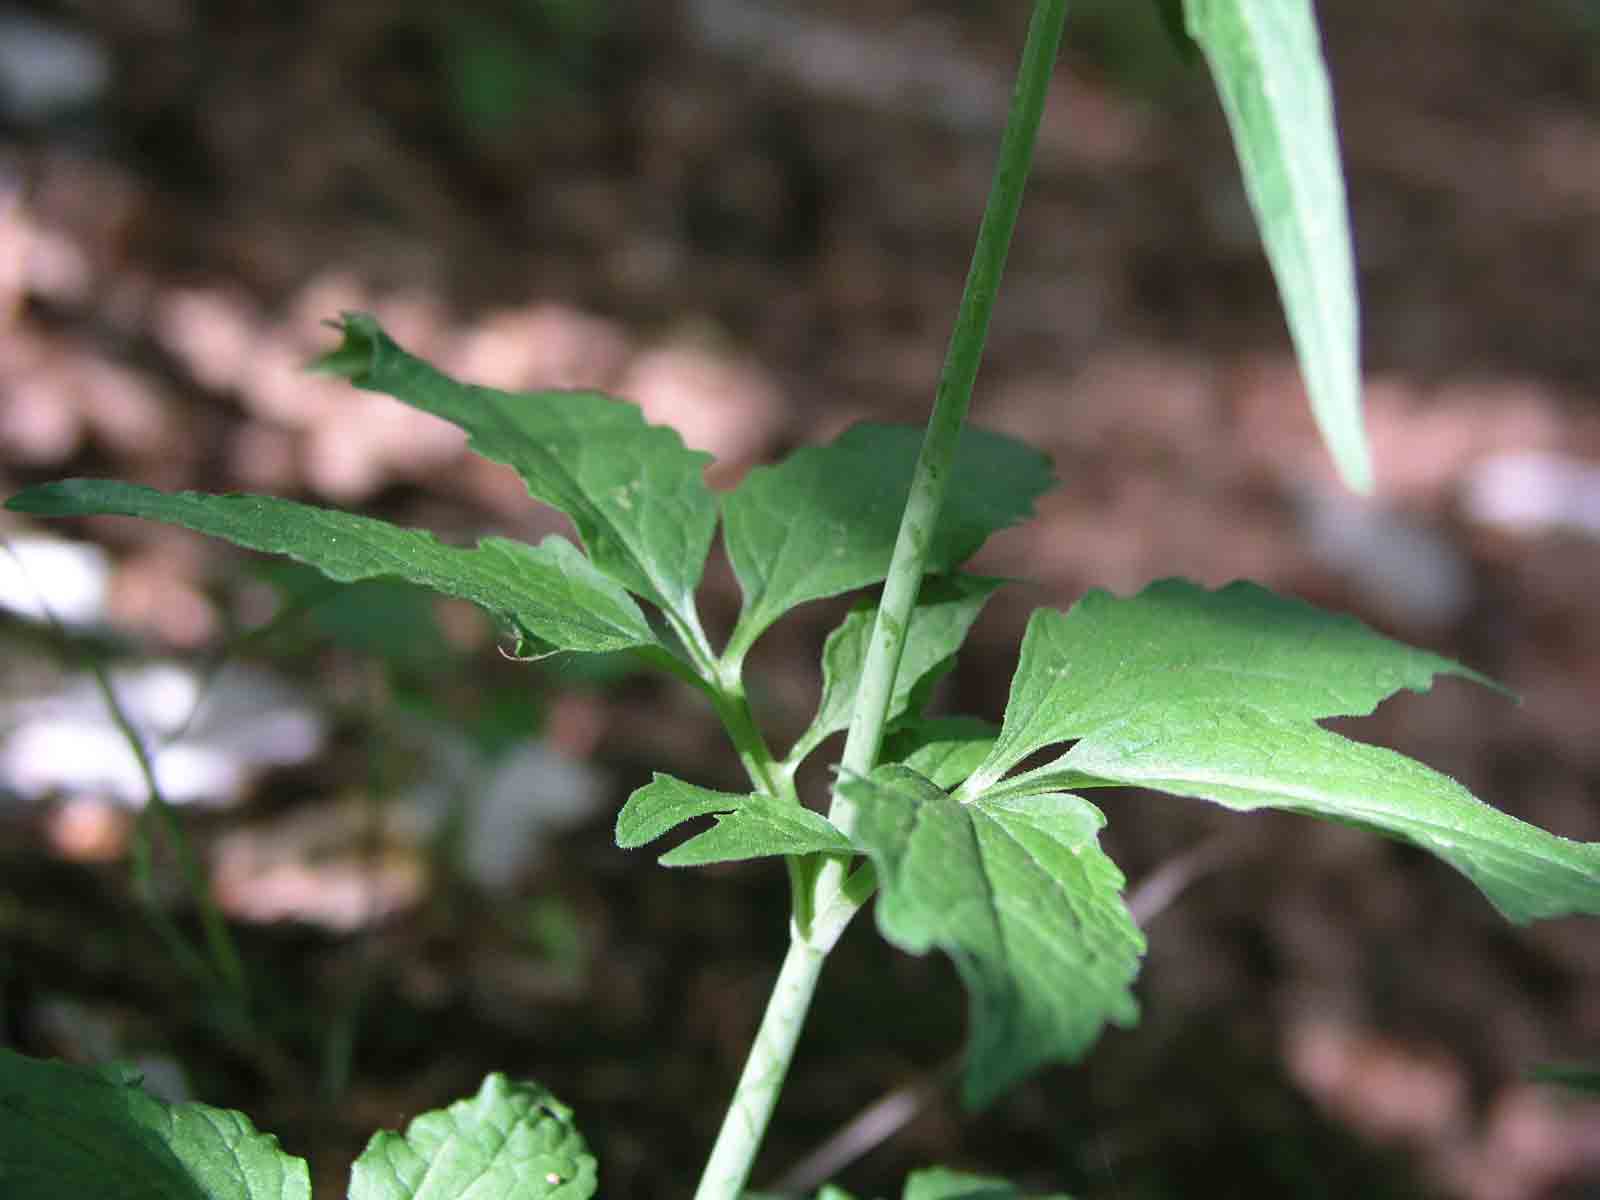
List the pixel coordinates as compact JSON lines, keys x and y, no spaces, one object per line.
{"x":945,"y":611}
{"x":550,"y":591}
{"x":1216,"y":695}
{"x":1019,"y":894}
{"x":754,"y":825}
{"x":850,"y":495}
{"x":68,"y":1132}
{"x":634,"y":492}
{"x":512,"y":1141}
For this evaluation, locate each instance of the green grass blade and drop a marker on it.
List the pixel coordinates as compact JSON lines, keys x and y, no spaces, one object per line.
{"x":1266,"y":58}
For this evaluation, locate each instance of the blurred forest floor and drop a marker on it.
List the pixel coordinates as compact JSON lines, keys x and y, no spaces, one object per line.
{"x":754,"y":219}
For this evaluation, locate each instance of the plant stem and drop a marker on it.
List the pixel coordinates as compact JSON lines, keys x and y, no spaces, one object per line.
{"x":225,"y":961}
{"x":836,"y":895}
{"x":733,"y":710}
{"x":951,"y":402}
{"x":757,"y":1092}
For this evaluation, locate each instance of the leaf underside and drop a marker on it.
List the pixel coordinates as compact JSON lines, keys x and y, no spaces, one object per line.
{"x":1210,"y":694}
{"x":1018,"y":893}
{"x":1216,"y":695}
{"x":1266,"y":59}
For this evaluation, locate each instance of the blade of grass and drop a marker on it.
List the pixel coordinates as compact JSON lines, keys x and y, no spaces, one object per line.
{"x":225,"y":963}
{"x":1266,"y":59}
{"x":225,"y":969}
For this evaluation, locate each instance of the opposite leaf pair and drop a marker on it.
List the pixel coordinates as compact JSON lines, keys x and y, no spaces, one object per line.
{"x":1213,"y":695}
{"x":819,"y":524}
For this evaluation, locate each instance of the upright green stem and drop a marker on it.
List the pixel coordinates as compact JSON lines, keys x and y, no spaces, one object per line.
{"x":837,"y":894}
{"x":951,"y":402}
{"x":733,"y":709}
{"x":762,"y":1079}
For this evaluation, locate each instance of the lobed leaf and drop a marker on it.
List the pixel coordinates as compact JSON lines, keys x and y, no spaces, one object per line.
{"x":1176,"y":649}
{"x":1216,"y":694}
{"x":946,"y":608}
{"x":824,"y":520}
{"x":1018,"y":893}
{"x":1266,"y":58}
{"x":552,"y":591}
{"x":69,"y":1132}
{"x":635,"y":493}
{"x":512,"y":1141}
{"x":755,"y":825}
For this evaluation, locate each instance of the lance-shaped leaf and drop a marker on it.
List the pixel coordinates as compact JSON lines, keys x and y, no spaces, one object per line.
{"x":1266,"y":58}
{"x":1217,"y":694}
{"x":946,"y":608}
{"x":512,"y":1141}
{"x":1245,"y":759}
{"x":1019,"y":894}
{"x":551,"y":591}
{"x":824,"y":520}
{"x":68,"y":1132}
{"x":754,"y":825}
{"x":634,"y":492}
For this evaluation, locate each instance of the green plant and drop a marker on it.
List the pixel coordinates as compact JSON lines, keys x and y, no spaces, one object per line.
{"x":498,"y":63}
{"x":1209,"y":694}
